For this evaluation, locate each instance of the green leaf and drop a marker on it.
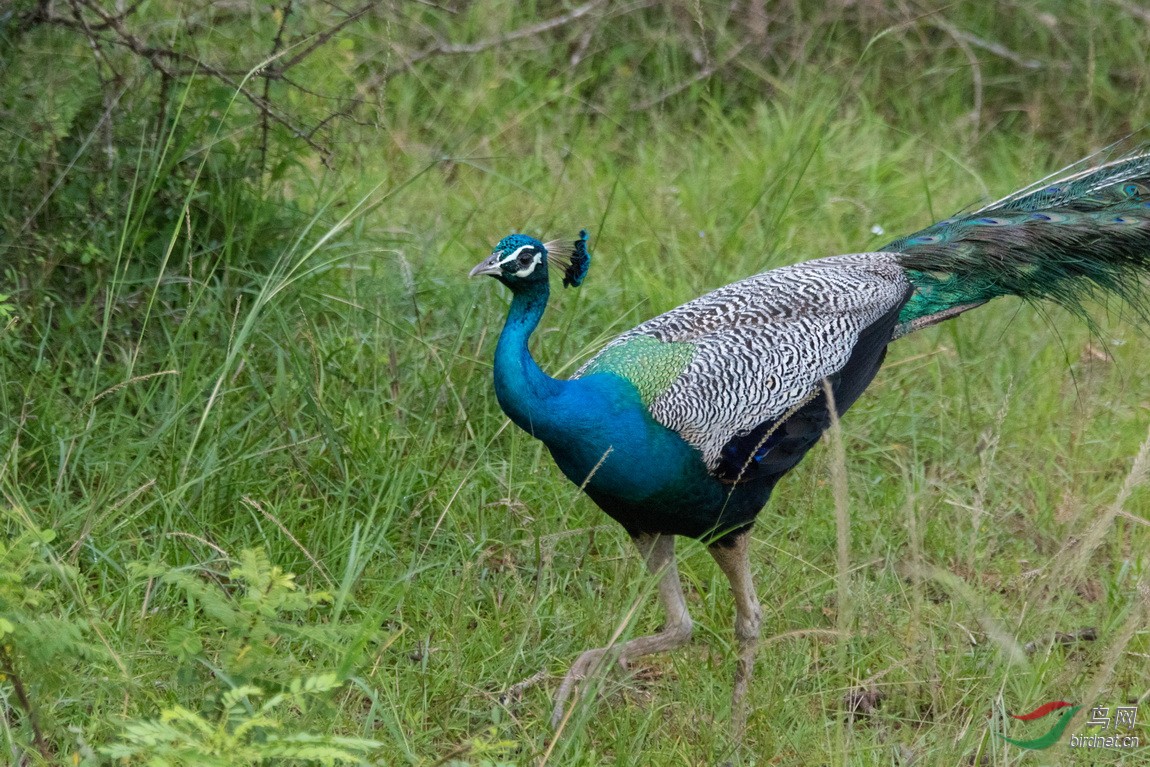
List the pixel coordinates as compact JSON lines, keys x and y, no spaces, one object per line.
{"x":184,"y":643}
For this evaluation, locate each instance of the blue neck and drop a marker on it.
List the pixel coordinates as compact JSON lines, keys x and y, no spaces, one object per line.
{"x":523,"y":389}
{"x":600,"y":433}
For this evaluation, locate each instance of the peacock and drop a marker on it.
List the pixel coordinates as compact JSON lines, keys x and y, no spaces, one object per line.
{"x":682,"y":425}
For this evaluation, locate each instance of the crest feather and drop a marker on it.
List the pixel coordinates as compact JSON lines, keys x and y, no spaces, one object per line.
{"x":572,"y":257}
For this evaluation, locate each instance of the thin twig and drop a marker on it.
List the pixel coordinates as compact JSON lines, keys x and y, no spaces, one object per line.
{"x":277,"y":46}
{"x":702,"y":74}
{"x":1073,"y":557}
{"x":8,"y":668}
{"x":998,"y":49}
{"x":1136,"y":11}
{"x":841,"y":490}
{"x":283,"y":529}
{"x":321,"y":39}
{"x":531,"y":30}
{"x":515,"y":691}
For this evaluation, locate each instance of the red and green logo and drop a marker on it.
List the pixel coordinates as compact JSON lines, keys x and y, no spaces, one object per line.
{"x":1051,"y":736}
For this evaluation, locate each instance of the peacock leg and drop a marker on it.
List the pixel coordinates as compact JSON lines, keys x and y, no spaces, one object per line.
{"x":731,"y":556}
{"x":659,"y":553}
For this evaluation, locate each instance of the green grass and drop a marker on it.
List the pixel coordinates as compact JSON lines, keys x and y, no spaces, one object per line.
{"x":335,"y":410}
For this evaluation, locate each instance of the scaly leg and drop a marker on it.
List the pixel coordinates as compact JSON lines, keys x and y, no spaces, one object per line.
{"x":659,"y":553}
{"x":732,"y":559}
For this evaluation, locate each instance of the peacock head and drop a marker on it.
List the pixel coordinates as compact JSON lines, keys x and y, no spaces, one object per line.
{"x":520,"y":261}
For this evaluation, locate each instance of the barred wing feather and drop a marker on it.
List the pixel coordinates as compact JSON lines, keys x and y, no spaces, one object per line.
{"x":719,"y":366}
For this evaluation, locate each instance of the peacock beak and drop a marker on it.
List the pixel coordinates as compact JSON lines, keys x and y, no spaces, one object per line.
{"x":489,"y":265}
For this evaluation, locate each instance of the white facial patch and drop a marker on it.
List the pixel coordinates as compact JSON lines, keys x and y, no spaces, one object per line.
{"x":531,"y":267}
{"x":513,"y":255}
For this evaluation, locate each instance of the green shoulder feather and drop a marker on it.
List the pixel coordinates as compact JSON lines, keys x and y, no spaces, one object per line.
{"x":649,"y":364}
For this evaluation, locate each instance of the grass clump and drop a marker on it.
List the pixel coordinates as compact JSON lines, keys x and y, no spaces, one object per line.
{"x":244,"y":636}
{"x":243,"y":734}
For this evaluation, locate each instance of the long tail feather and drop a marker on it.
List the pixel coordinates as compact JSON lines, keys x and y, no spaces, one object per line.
{"x":1063,"y":241}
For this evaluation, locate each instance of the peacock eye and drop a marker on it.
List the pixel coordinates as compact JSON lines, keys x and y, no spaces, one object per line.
{"x":526,"y":258}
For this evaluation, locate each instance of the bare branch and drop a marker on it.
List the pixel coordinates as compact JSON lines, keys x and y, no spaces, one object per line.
{"x":277,"y":46}
{"x":102,"y":28}
{"x":444,"y":48}
{"x":323,"y":38}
